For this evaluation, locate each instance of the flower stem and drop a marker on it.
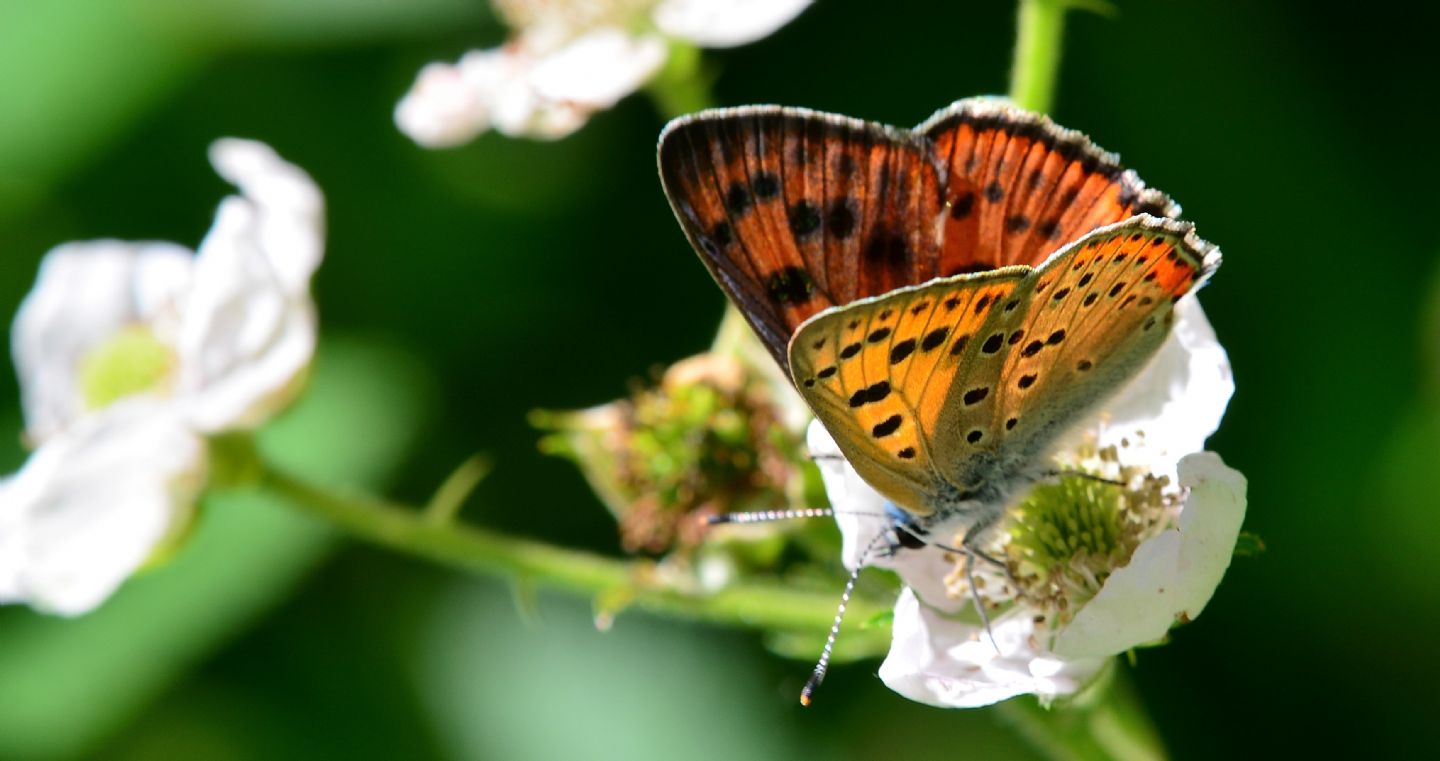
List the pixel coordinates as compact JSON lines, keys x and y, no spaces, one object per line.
{"x":755,"y":604}
{"x":1113,"y":727}
{"x":683,"y":85}
{"x":1040,"y":25}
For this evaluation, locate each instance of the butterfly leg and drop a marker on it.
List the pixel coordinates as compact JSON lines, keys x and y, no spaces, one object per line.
{"x":967,"y":546}
{"x":1052,"y":474}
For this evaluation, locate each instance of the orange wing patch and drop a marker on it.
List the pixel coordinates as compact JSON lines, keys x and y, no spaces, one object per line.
{"x":1020,"y":187}
{"x":878,"y":373}
{"x":794,"y":211}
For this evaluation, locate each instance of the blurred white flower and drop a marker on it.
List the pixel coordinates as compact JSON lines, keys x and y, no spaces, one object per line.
{"x":567,"y":59}
{"x":128,"y":355}
{"x":1056,"y":616}
{"x":92,"y":504}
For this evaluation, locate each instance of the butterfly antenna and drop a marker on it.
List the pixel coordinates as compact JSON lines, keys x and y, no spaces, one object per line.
{"x":818,"y":675}
{"x":766,"y":516}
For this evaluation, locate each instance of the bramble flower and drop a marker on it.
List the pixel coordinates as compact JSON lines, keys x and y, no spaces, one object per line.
{"x":710,"y":438}
{"x":129,"y":355}
{"x":567,"y":59}
{"x":1092,"y":569}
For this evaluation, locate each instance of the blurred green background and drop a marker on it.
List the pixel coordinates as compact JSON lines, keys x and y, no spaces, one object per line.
{"x":462,"y":288}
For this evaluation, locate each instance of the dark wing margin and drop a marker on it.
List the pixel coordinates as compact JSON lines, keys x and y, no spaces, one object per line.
{"x":793,"y":210}
{"x":1020,"y":186}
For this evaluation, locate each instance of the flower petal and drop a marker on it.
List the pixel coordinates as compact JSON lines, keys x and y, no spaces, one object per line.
{"x":1171,"y":576}
{"x":943,"y":662}
{"x":1176,"y":401}
{"x":85,"y":293}
{"x":91,"y":505}
{"x":249,"y":325}
{"x":536,"y":86}
{"x":290,"y":212}
{"x":863,"y":514}
{"x":444,"y":107}
{"x":599,"y":68}
{"x":725,"y":23}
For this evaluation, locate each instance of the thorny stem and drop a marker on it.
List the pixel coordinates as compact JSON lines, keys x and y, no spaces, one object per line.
{"x":771,"y":605}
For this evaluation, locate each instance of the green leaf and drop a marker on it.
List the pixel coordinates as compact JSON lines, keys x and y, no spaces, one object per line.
{"x":1248,"y":545}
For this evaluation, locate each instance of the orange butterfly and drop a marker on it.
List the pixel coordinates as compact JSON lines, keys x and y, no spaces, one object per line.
{"x":948,"y":300}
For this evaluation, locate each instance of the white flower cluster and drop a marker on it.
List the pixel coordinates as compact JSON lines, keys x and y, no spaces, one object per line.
{"x":129,"y":356}
{"x":941,"y":654}
{"x":568,"y":59}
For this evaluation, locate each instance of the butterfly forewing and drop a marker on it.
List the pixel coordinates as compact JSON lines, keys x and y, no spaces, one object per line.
{"x":1020,"y":186}
{"x":1088,"y":320}
{"x":879,"y":374}
{"x":794,"y":211}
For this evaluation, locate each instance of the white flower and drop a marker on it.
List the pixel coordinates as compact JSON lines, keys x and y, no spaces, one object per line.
{"x":1149,"y":434}
{"x":568,"y":59}
{"x":92,"y":504}
{"x":128,"y":354}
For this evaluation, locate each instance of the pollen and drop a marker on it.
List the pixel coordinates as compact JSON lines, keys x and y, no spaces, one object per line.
{"x":1064,"y":538}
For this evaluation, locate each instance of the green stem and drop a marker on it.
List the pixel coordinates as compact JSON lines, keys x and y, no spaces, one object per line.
{"x":683,"y":85}
{"x":1111,"y":726}
{"x":756,"y":604}
{"x":1040,"y":27}
{"x":734,"y":336}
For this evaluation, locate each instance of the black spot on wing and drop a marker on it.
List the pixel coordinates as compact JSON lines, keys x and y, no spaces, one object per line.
{"x":804,"y":219}
{"x":766,"y":186}
{"x":738,"y":199}
{"x":963,"y":204}
{"x":901,"y":350}
{"x":870,"y":394}
{"x":840,"y":218}
{"x":934,"y":338}
{"x":886,"y":427}
{"x":791,"y":285}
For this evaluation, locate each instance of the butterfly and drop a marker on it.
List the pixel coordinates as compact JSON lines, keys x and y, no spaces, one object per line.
{"x":948,"y":300}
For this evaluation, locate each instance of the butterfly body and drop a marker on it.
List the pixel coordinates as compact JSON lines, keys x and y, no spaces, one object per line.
{"x":948,"y":300}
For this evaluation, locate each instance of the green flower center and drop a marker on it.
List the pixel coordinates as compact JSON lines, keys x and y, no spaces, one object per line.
{"x":133,"y":361}
{"x":1073,"y":518}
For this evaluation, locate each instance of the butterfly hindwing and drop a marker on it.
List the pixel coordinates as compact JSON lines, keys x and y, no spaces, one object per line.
{"x":794,"y":211}
{"x":1087,"y":321}
{"x":878,"y":374}
{"x":1019,"y":186}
